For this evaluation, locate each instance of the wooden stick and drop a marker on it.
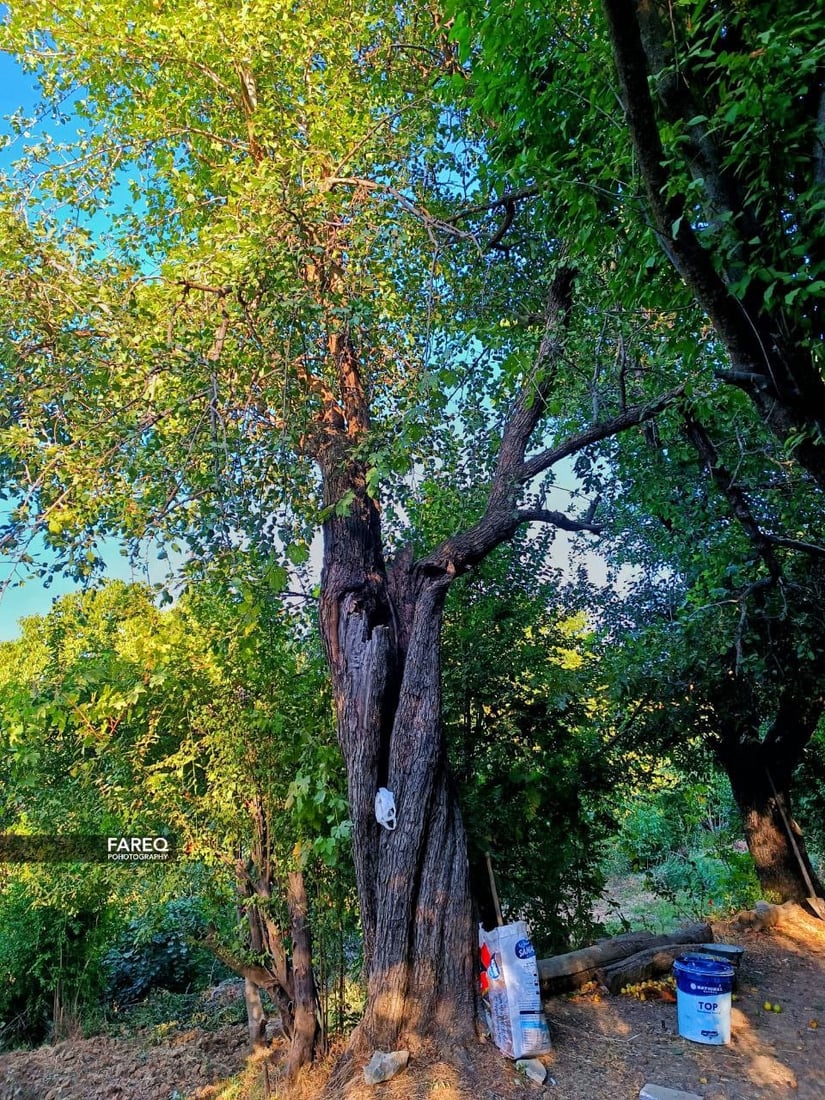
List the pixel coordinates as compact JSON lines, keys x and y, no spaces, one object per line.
{"x":493,"y":890}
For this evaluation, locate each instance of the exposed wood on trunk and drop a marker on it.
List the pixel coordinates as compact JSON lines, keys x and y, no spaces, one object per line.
{"x":563,"y":973}
{"x":643,"y":965}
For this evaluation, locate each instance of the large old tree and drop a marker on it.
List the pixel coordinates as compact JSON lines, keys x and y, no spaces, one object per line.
{"x":238,"y":304}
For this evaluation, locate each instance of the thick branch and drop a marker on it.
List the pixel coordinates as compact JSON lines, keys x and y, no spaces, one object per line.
{"x":629,"y":418}
{"x":257,"y":974}
{"x":678,"y":96}
{"x":503,"y":514}
{"x":669,"y":210}
{"x":531,"y":403}
{"x":500,"y":233}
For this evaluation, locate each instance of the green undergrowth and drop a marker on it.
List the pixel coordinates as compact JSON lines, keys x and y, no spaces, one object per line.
{"x":164,"y":1013}
{"x":678,"y":856}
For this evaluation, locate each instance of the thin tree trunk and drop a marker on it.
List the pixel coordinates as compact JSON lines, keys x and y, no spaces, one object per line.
{"x":306,"y":1033}
{"x":255,"y":1015}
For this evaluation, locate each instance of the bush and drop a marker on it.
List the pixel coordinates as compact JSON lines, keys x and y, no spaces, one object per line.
{"x":158,"y":951}
{"x":683,"y":837}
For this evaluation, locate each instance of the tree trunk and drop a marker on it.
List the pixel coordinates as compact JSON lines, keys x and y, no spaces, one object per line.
{"x":305,"y":1036}
{"x":774,"y":853}
{"x":255,"y":1015}
{"x":382,"y":638}
{"x":382,"y":631}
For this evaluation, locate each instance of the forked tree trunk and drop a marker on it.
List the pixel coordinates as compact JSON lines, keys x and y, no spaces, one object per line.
{"x":289,"y":980}
{"x":382,"y":629}
{"x":413,"y":881}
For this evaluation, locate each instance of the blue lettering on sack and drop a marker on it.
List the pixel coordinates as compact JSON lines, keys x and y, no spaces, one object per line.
{"x":524,"y":950}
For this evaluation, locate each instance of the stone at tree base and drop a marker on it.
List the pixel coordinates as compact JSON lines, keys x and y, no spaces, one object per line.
{"x":661,"y":1092}
{"x":382,"y":1066}
{"x":533,"y":1069}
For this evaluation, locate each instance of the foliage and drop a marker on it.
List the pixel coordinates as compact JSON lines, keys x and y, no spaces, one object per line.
{"x":232,"y":182}
{"x":119,"y":717}
{"x":520,"y":693}
{"x":685,"y":833}
{"x":615,"y":158}
{"x":163,"y":1013}
{"x":52,"y":969}
{"x":810,"y":805}
{"x":156,"y":951}
{"x":638,"y":123}
{"x":313,"y":297}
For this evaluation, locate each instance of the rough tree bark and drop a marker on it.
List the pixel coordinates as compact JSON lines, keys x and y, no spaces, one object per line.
{"x":381,"y":626}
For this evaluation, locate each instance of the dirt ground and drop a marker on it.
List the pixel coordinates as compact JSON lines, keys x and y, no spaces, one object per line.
{"x":608,"y":1047}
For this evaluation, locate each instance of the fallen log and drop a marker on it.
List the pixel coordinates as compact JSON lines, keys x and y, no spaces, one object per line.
{"x":564,"y":973}
{"x":644,"y":965}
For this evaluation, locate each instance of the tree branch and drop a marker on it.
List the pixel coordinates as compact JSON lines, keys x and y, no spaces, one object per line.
{"x":503,"y":514}
{"x":558,"y":519}
{"x":255,"y":973}
{"x":797,"y":544}
{"x":507,"y":221}
{"x":506,"y":200}
{"x":725,"y":482}
{"x":636,"y":414}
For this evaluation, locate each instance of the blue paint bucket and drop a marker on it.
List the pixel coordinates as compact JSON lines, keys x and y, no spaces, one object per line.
{"x":703,"y":995}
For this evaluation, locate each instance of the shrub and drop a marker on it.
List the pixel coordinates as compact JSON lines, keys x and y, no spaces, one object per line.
{"x":158,"y":951}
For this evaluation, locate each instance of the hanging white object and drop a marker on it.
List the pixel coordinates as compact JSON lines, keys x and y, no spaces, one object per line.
{"x":385,"y":808}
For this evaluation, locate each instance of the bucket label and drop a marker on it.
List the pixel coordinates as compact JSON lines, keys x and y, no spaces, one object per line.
{"x":704,"y":1019}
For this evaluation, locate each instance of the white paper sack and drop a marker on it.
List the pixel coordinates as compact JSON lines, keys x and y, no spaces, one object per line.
{"x":510,"y":988}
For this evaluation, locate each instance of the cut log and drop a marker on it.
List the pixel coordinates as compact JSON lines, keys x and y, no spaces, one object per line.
{"x":564,"y":973}
{"x":644,"y":965}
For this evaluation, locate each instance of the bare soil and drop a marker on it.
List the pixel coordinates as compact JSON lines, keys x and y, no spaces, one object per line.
{"x":603,"y":1047}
